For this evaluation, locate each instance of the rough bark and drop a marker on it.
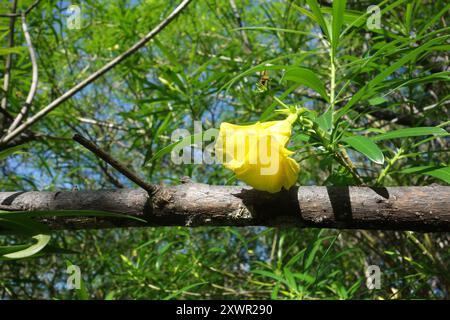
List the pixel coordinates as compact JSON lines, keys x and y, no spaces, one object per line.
{"x":425,"y":209}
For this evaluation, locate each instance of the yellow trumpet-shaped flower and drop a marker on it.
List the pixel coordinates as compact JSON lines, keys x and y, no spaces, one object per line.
{"x":257,"y":153}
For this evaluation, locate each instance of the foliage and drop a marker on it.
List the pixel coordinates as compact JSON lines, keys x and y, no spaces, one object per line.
{"x":374,"y":110}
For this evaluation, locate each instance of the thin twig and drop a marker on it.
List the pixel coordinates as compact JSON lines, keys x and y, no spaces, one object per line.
{"x":68,"y":94}
{"x":246,"y":42}
{"x":8,"y":63}
{"x":105,"y":124}
{"x":18,"y":14}
{"x":109,"y":176}
{"x":344,"y":159}
{"x":33,"y":5}
{"x":35,"y":77}
{"x":122,"y":168}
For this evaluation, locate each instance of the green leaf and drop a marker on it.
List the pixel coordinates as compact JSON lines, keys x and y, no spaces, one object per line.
{"x":410,"y":132}
{"x":305,"y":12}
{"x":268,"y":274}
{"x":42,"y":240}
{"x":161,"y":128}
{"x":349,"y":16}
{"x":275,"y":290}
{"x":315,"y":8}
{"x":408,"y":17}
{"x":266,"y":65}
{"x":5,"y":51}
{"x":368,"y":87}
{"x":309,"y":279}
{"x":23,"y":225}
{"x":297,"y":257}
{"x":110,"y":296}
{"x":312,"y":251}
{"x":186,"y":141}
{"x":48,"y":249}
{"x":360,"y":21}
{"x":325,"y":121}
{"x":7,"y":152}
{"x":12,"y":248}
{"x":366,"y":147}
{"x":278,"y":30}
{"x":340,"y":178}
{"x":308,"y":78}
{"x":268,"y":112}
{"x":184,"y":289}
{"x":440,"y":172}
{"x":338,"y":19}
{"x":435,"y":18}
{"x":300,"y":137}
{"x":377,"y":100}
{"x":289,"y":279}
{"x":65,"y":213}
{"x":169,"y":55}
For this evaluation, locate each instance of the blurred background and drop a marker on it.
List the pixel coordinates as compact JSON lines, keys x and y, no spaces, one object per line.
{"x":203,"y":67}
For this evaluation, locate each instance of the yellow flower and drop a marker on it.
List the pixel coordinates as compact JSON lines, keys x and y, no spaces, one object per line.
{"x":257,"y":153}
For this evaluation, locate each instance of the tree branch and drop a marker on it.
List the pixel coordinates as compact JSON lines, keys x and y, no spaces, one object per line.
{"x":114,"y":163}
{"x":34,"y":79}
{"x":8,"y":63}
{"x":68,"y":94}
{"x":247,"y":46}
{"x":26,"y":12}
{"x":424,"y":209}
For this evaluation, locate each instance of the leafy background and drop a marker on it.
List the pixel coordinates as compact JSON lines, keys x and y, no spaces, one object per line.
{"x":203,"y":67}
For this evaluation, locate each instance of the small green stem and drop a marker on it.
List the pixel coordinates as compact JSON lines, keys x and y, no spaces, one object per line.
{"x":281,"y":103}
{"x":344,"y":160}
{"x":389,"y":165}
{"x":333,"y":81}
{"x":332,"y":85}
{"x":340,"y":154}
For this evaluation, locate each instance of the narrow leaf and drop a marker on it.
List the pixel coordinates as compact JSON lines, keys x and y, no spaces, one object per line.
{"x":410,"y":132}
{"x":338,"y":19}
{"x":315,"y":8}
{"x":325,"y":121}
{"x":385,"y":73}
{"x":42,"y":240}
{"x":186,"y":141}
{"x":440,"y":172}
{"x":7,"y":152}
{"x":308,"y":78}
{"x":64,"y":213}
{"x":366,"y":147}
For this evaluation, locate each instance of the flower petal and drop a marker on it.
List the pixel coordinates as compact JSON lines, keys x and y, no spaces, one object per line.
{"x":257,"y":155}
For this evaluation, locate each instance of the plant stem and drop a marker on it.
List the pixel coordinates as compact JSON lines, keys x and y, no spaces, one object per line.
{"x":281,"y":103}
{"x":333,"y":81}
{"x":340,"y":154}
{"x":343,"y":158}
{"x":332,"y":87}
{"x":389,"y":165}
